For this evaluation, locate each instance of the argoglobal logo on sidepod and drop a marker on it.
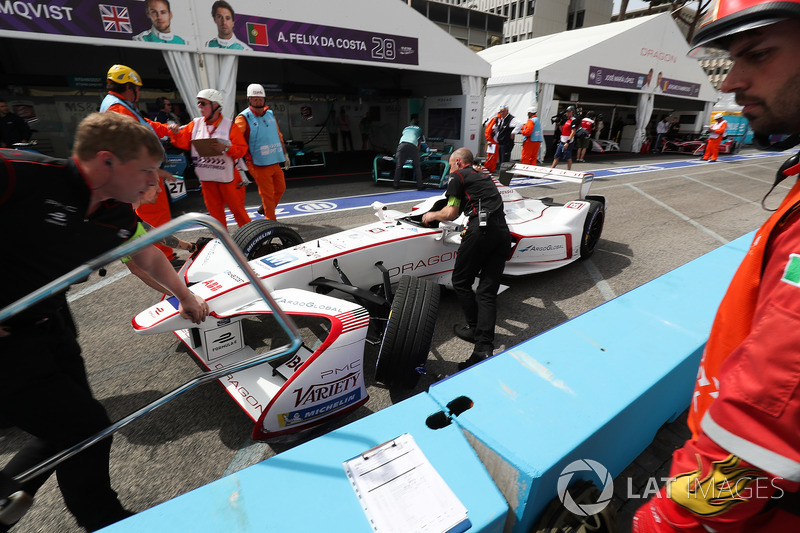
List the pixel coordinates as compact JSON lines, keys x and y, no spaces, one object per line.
{"x":606,"y":485}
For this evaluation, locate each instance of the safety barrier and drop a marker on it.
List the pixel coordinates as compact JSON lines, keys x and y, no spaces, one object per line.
{"x":596,"y":387}
{"x":306,"y":488}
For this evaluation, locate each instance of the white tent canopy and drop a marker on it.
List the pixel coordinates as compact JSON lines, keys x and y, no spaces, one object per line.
{"x":386,"y":34}
{"x":645,"y":57}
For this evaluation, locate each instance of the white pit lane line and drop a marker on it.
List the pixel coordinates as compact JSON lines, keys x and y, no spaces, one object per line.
{"x":680,"y":215}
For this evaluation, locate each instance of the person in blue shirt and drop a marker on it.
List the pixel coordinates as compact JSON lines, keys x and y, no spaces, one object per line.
{"x":160,"y":14}
{"x":409,"y":149}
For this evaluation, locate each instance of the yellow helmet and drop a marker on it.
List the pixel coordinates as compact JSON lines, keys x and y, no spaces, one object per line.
{"x":122,"y":75}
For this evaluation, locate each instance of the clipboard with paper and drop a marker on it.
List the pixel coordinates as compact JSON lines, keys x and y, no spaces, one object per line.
{"x":206,"y":147}
{"x":400,"y":491}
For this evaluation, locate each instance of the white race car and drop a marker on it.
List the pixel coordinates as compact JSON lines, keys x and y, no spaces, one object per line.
{"x":363,"y":265}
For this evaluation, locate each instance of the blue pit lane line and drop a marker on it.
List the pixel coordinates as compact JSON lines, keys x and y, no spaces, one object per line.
{"x":396,"y":197}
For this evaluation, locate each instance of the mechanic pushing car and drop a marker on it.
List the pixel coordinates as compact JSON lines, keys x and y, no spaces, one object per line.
{"x":485,"y":246}
{"x":74,"y":210}
{"x":740,"y":471}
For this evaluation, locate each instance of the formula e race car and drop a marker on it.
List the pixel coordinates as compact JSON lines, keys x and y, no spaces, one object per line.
{"x":386,"y":278}
{"x":729,"y":145}
{"x":434,"y":162}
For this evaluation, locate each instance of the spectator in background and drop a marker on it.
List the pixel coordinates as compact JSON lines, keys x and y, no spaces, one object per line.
{"x":505,"y":128}
{"x":13,"y":128}
{"x":180,"y":111}
{"x":408,"y":148}
{"x":165,"y":113}
{"x":585,"y":141}
{"x":662,"y":128}
{"x":566,"y":138}
{"x":674,"y":129}
{"x":344,"y":129}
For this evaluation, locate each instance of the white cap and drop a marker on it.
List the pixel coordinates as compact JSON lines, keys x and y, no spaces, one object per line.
{"x":254,"y":89}
{"x":717,"y":116}
{"x":533,"y":109}
{"x":212,"y":95}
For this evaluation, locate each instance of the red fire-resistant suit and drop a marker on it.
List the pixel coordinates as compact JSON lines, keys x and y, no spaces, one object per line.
{"x":743,"y":461}
{"x":491,"y":146}
{"x":714,"y":140}
{"x":158,"y":213}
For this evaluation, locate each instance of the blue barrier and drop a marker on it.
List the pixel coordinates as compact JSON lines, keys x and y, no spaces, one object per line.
{"x":596,"y":387}
{"x":305,"y":489}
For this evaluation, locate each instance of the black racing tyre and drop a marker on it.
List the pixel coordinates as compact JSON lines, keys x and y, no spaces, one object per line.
{"x":262,"y":237}
{"x":409,"y":332}
{"x":592,"y":228}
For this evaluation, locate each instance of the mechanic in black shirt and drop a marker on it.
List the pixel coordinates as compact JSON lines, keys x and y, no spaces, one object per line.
{"x":59,"y":213}
{"x":485,"y":246}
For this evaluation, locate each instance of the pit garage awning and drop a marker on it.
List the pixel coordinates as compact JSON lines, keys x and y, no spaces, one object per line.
{"x":379,"y":35}
{"x":643,"y":57}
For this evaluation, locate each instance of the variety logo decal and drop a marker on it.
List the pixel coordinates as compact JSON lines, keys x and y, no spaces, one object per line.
{"x":323,"y":391}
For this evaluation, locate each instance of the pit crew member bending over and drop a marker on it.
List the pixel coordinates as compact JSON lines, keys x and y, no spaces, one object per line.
{"x":485,"y":246}
{"x":740,"y":471}
{"x":81,"y":208}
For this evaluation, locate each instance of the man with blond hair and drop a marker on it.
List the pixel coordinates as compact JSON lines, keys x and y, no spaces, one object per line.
{"x":74,"y":210}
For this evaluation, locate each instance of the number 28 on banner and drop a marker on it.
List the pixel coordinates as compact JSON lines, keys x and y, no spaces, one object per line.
{"x":383,"y":48}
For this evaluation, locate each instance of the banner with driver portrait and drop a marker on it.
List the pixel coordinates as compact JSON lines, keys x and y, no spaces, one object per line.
{"x":211,"y":26}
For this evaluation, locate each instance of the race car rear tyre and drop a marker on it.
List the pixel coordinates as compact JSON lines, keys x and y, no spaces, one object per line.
{"x":263,"y":237}
{"x":592,"y":228}
{"x":409,"y":332}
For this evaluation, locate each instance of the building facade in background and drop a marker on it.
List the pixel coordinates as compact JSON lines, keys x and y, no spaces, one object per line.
{"x":526,"y":19}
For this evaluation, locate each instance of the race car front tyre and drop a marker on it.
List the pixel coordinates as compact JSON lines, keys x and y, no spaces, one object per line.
{"x":263,"y":237}
{"x":409,"y":332}
{"x":592,"y":228}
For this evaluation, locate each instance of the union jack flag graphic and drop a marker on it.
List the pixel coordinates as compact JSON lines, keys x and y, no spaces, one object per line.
{"x":115,"y":19}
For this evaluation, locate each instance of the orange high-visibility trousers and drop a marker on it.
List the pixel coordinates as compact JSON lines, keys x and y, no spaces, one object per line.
{"x":217,"y":195}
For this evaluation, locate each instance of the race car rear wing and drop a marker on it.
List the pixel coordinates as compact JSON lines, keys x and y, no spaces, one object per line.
{"x":584,"y":179}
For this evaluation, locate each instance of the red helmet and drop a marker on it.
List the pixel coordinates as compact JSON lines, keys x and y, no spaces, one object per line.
{"x":727,"y":17}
